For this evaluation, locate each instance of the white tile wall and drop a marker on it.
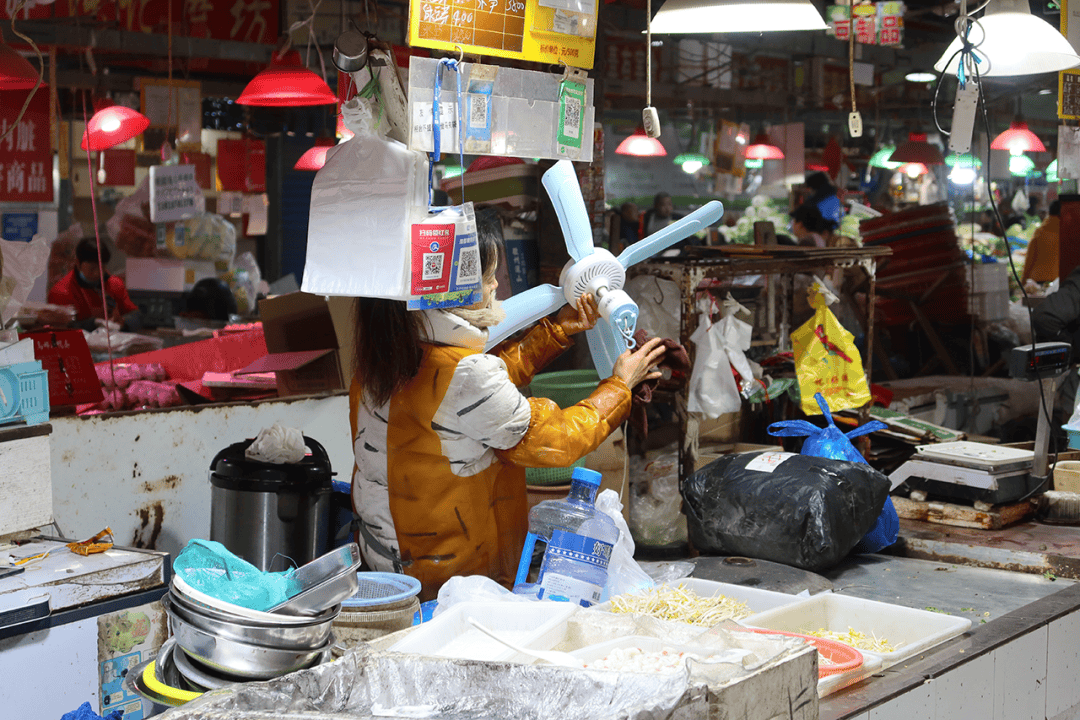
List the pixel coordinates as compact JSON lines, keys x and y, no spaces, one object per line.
{"x":917,"y":704}
{"x":1063,"y":665}
{"x":966,"y":693}
{"x":1020,"y":678}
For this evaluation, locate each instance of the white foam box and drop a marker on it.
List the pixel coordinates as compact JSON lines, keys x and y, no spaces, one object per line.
{"x":909,"y":630}
{"x":536,"y":625}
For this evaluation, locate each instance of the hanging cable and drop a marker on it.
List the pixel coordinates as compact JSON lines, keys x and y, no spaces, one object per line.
{"x":41,"y":71}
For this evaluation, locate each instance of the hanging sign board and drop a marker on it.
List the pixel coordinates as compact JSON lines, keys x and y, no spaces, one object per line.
{"x":546,"y":31}
{"x":26,"y":158}
{"x":879,"y":23}
{"x":174,"y":193}
{"x":1069,"y":95}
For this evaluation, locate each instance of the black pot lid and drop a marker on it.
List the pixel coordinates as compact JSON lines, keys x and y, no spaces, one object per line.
{"x":231,"y":466}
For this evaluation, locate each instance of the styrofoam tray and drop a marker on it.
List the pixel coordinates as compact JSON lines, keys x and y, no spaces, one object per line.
{"x":599,"y":651}
{"x":755,"y":599}
{"x":537,"y":625}
{"x":911,"y":630}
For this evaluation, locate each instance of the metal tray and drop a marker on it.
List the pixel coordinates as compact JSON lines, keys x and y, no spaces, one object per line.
{"x":324,"y":582}
{"x":989,"y":458}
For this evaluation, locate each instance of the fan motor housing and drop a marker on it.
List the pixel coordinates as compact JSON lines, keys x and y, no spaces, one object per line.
{"x":599,"y":269}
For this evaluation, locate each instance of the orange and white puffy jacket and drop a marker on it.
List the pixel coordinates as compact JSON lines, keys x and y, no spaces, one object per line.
{"x":439,"y":482}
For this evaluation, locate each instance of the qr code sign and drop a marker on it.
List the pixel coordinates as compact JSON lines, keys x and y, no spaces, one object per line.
{"x":433,"y":266}
{"x":469,"y":266}
{"x":572,"y":118}
{"x":478,"y":110}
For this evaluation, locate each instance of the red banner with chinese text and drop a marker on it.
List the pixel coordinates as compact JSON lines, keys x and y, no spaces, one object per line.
{"x":243,"y":20}
{"x":26,"y":159}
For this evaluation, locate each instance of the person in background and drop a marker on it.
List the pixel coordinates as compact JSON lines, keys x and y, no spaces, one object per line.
{"x":442,"y":434}
{"x":1041,"y":261}
{"x":807,"y":225}
{"x":625,"y":226}
{"x":1057,"y":319}
{"x":81,"y":288}
{"x":824,"y":197}
{"x":659,"y":216}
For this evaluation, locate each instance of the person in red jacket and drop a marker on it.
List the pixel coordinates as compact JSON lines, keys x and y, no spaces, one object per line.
{"x":81,"y":288}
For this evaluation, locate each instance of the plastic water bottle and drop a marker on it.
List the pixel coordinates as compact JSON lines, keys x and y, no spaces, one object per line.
{"x":579,"y":539}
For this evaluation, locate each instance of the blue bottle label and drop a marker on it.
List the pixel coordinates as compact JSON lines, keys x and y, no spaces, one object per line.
{"x":587,"y":551}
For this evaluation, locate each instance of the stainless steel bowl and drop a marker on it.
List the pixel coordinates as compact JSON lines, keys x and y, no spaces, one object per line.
{"x":284,"y":637}
{"x":229,"y":612}
{"x":240,"y":658}
{"x":324,"y":582}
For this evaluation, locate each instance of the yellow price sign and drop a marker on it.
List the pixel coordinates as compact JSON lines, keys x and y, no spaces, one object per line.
{"x":546,"y":31}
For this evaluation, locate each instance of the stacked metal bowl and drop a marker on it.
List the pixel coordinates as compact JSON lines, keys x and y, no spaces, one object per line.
{"x":219,"y":643}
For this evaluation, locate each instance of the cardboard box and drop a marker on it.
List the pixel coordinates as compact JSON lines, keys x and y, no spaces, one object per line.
{"x":308,"y":343}
{"x":166,"y":274}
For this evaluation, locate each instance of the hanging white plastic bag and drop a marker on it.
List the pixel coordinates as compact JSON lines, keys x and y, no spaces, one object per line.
{"x":624,"y":574}
{"x":712,"y":390}
{"x":22,"y":264}
{"x":736,"y":335}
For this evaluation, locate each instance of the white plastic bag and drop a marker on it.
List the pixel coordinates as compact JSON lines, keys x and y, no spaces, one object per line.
{"x":655,"y":502}
{"x":474,"y":588}
{"x":277,"y":444}
{"x":361,"y":211}
{"x":624,"y":574}
{"x":712,"y":390}
{"x":22,"y":264}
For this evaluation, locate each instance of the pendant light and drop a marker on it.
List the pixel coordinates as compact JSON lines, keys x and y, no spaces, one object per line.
{"x":1021,"y":165}
{"x":286,"y":83}
{"x":111,"y":125}
{"x":1015,"y":42}
{"x":641,"y":145}
{"x":691,"y":162}
{"x":914,"y":169}
{"x":16,"y":72}
{"x":763,"y":149}
{"x":917,"y":150}
{"x":1018,"y":139}
{"x":732,"y":16}
{"x":880,"y":159}
{"x":1051,"y":172}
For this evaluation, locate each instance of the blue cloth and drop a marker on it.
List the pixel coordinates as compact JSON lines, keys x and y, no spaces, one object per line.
{"x":829,"y":442}
{"x":85,"y":712}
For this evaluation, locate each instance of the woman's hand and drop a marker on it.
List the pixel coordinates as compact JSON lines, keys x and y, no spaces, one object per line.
{"x":633,"y":367}
{"x":580,"y":317}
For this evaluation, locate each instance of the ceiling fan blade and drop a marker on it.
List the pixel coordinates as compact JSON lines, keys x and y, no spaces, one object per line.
{"x":698,"y":220}
{"x":561,"y":183}
{"x":524,"y":309}
{"x":605,"y":346}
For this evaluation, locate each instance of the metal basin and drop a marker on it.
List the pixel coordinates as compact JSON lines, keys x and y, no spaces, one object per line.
{"x":228,"y":611}
{"x":285,"y":637}
{"x":324,"y":582}
{"x":243,"y":659}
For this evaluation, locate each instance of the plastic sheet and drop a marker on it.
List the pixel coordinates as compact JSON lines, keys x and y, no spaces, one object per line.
{"x":368,"y":683}
{"x":656,"y":516}
{"x":22,"y":264}
{"x":277,"y":444}
{"x":798,"y":510}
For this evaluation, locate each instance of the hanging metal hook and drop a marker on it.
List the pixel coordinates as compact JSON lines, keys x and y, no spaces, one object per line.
{"x":460,"y":53}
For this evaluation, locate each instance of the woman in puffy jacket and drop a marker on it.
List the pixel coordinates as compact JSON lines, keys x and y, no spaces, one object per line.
{"x":442,"y":434}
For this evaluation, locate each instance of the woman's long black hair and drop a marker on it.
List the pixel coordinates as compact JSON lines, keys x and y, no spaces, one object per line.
{"x":389,"y":337}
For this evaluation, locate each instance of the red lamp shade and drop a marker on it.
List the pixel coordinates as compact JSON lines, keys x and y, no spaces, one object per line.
{"x":641,"y":145}
{"x":913,"y":169}
{"x":917,"y":150}
{"x":287,"y":83}
{"x":761,"y":149}
{"x":1018,"y":139}
{"x":16,"y":72}
{"x":313,"y":159}
{"x":814,"y":167}
{"x":112,"y":125}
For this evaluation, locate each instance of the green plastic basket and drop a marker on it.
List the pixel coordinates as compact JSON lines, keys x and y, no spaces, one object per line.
{"x":567,"y":387}
{"x":551,"y":476}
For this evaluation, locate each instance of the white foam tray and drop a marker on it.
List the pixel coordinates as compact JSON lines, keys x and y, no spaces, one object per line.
{"x":536,"y":625}
{"x":911,"y":631}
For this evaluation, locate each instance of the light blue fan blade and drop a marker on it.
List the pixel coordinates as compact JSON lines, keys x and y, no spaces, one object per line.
{"x":698,"y":220}
{"x":562,"y":187}
{"x":524,"y":309}
{"x":605,"y":346}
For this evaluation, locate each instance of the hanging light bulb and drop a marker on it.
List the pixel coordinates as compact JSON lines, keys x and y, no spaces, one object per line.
{"x":286,"y":83}
{"x":727,"y":16}
{"x":691,"y":162}
{"x":914,"y":169}
{"x":641,"y":145}
{"x":16,"y":72}
{"x":1014,"y":42}
{"x":965,"y":160}
{"x":1018,"y":139}
{"x":880,"y":159}
{"x":763,"y":149}
{"x":963,"y":175}
{"x":1021,"y":165}
{"x":111,"y":125}
{"x":754,"y":163}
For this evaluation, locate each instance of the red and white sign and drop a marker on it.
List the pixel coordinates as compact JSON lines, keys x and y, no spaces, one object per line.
{"x":432,"y":258}
{"x":26,"y":158}
{"x":244,"y":20}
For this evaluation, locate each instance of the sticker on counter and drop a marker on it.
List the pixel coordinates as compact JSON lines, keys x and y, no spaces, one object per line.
{"x":768,"y":461}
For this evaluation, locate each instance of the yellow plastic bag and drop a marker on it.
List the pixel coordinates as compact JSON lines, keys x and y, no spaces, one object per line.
{"x":826,"y":359}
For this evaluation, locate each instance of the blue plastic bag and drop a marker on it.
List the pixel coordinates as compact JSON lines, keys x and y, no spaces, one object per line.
{"x":830,"y":442}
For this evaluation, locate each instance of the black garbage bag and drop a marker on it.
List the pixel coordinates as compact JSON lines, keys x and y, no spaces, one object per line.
{"x":798,"y":510}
